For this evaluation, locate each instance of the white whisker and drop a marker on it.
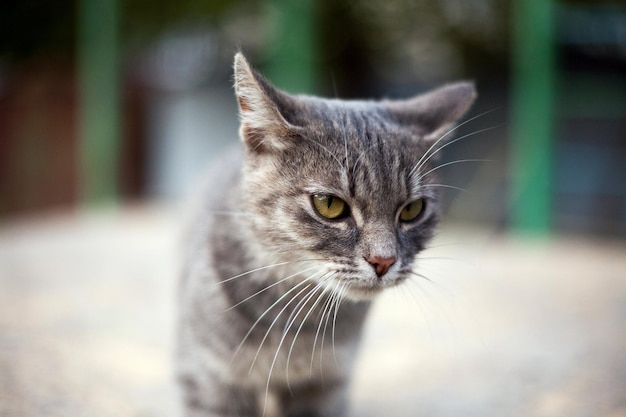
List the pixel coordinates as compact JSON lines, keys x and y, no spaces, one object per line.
{"x":467,"y":121}
{"x":282,"y":310}
{"x":427,"y":306}
{"x":299,"y":306}
{"x":445,"y":186}
{"x":269,"y":286}
{"x":264,"y":267}
{"x":304,"y":319}
{"x":345,"y":145}
{"x":267,"y":310}
{"x":441,"y":311}
{"x":423,"y":160}
{"x":432,"y":282}
{"x":409,"y":288}
{"x":252,"y":271}
{"x":458,"y":161}
{"x":319,"y":326}
{"x":428,"y":154}
{"x":335,"y":294}
{"x":337,"y":304}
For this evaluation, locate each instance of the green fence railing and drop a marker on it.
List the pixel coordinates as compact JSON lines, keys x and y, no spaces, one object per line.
{"x":532,"y":114}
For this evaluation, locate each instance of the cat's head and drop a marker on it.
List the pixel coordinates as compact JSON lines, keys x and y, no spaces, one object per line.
{"x":343,"y":185}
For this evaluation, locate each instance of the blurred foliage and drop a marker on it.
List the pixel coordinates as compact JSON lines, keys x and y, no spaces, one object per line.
{"x":145,"y":18}
{"x":33,"y":27}
{"x":362,"y":47}
{"x":391,"y":41}
{"x":46,"y":27}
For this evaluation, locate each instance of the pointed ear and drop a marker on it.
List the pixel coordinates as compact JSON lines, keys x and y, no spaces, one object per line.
{"x":262,"y":124}
{"x":434,"y":113}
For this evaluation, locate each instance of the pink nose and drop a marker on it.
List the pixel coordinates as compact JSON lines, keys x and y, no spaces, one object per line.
{"x":381,"y":265}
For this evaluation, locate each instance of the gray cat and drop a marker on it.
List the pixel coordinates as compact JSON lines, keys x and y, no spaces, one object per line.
{"x":328,"y":204}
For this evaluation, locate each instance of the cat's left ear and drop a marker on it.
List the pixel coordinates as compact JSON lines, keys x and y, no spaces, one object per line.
{"x":433,"y":114}
{"x":263,"y":126}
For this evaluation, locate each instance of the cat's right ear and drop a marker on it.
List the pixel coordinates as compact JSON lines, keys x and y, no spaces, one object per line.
{"x":432,"y":115}
{"x":262,"y":126}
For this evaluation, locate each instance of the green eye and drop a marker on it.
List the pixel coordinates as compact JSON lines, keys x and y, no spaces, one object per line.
{"x":330,"y":207}
{"x":412,"y":210}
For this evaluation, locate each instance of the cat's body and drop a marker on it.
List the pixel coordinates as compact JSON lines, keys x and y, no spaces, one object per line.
{"x":329,"y":204}
{"x":212,"y":371}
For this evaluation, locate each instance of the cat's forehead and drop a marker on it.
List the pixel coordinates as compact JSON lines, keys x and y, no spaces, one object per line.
{"x":359,"y":126}
{"x":349,"y":158}
{"x":351,"y":149}
{"x":358,"y":136}
{"x":356,"y":117}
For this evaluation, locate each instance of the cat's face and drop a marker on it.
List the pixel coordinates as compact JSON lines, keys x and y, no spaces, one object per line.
{"x":341,"y":189}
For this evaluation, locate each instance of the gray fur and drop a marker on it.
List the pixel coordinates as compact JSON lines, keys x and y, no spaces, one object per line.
{"x":262,"y":267}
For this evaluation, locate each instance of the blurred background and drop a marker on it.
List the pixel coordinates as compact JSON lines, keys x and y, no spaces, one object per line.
{"x":111,"y":109}
{"x":111,"y":101}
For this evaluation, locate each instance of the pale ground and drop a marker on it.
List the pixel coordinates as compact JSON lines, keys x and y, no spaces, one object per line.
{"x":507,"y":327}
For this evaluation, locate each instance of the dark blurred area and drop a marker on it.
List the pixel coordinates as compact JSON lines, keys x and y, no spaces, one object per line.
{"x":155,"y":86}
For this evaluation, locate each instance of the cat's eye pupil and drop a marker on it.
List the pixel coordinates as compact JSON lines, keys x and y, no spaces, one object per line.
{"x":412,"y":211}
{"x":330,"y":207}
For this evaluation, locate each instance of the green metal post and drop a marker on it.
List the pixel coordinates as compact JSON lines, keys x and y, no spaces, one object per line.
{"x":533,"y":114}
{"x":293,"y":47}
{"x":98,"y":100}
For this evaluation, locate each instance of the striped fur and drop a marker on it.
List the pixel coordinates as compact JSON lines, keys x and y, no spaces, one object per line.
{"x":273,"y":295}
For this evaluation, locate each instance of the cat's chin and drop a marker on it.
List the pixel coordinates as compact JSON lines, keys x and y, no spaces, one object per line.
{"x":363,"y":293}
{"x":368,"y":292}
